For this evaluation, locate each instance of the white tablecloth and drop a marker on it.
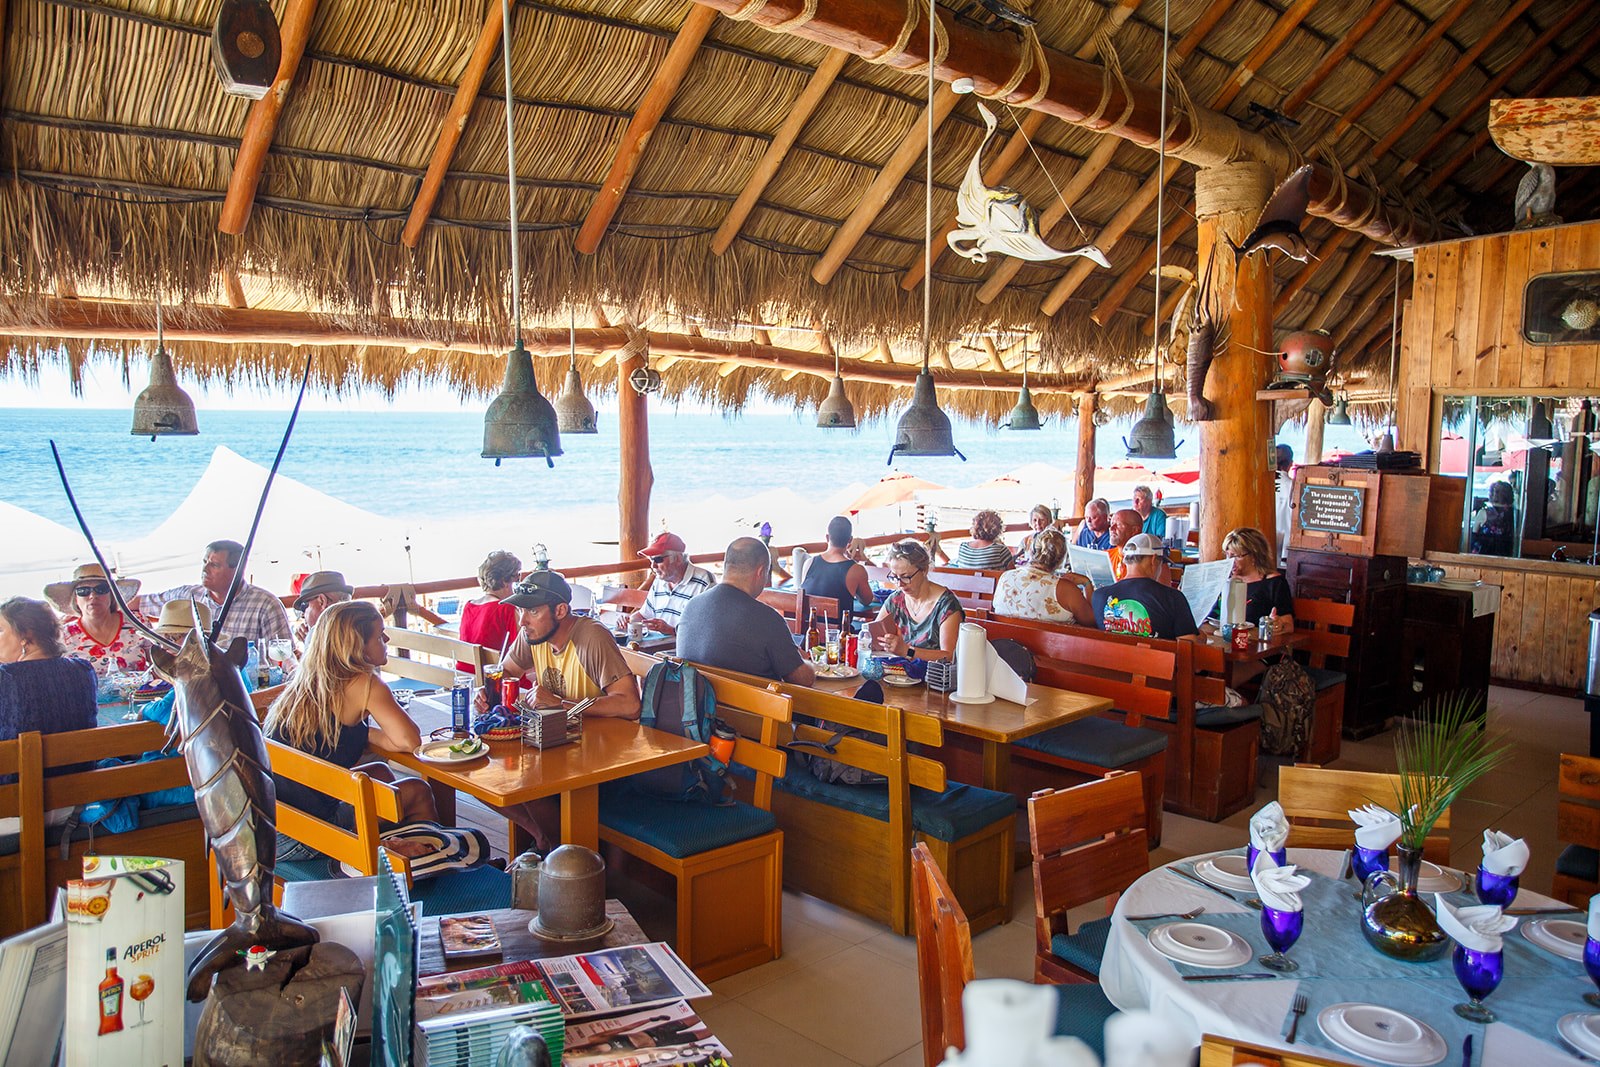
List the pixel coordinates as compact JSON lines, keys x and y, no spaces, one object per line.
{"x":1135,"y":976}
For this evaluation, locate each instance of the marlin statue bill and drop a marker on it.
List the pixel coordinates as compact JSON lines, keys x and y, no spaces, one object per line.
{"x":227,"y":761}
{"x":999,"y":219}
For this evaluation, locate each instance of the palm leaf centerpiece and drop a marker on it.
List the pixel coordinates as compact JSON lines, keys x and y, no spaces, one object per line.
{"x":1438,"y":757}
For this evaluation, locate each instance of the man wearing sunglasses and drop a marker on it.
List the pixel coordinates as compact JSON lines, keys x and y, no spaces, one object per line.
{"x":677,"y":581}
{"x":256,"y":615}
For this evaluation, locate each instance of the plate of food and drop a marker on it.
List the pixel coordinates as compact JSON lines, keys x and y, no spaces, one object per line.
{"x":452,"y":750}
{"x":837,"y":671}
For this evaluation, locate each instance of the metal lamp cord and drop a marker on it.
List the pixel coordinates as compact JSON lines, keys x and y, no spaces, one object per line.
{"x":1161,"y":184}
{"x":511,"y":171}
{"x":927,"y":200}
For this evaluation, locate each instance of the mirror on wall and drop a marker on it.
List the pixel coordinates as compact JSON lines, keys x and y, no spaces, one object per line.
{"x":1533,"y":474}
{"x":1562,"y":309}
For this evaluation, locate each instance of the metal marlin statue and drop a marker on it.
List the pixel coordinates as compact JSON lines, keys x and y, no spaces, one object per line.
{"x":227,"y":761}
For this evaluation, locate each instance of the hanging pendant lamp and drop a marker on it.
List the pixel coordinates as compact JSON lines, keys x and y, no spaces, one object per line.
{"x":1340,"y":415}
{"x":520,"y":422}
{"x":924,"y":429}
{"x":1024,"y":416}
{"x":836,"y":412}
{"x":1153,"y":436}
{"x":163,"y":409}
{"x":574,"y":413}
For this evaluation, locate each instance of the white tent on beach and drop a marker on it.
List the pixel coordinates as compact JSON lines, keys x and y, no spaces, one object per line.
{"x":35,"y":550}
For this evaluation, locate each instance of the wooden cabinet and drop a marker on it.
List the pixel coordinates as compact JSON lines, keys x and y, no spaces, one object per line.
{"x":1376,"y":586}
{"x":1445,"y":649}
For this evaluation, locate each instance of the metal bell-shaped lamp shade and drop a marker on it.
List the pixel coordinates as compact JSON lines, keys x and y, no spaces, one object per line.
{"x":836,"y":412}
{"x":163,"y":408}
{"x":924,"y":430}
{"x":1152,"y":437}
{"x":520,"y":422}
{"x":1340,"y":415}
{"x":574,"y":413}
{"x":1024,"y":416}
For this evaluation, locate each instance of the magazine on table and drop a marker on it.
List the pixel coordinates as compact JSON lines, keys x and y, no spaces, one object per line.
{"x":33,"y":986}
{"x":668,"y":1034}
{"x":590,"y":983}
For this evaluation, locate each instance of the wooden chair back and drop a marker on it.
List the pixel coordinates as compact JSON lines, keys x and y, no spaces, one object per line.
{"x":261,"y":700}
{"x":372,"y":801}
{"x":449,"y":649}
{"x":1577,"y":816}
{"x":1317,"y":800}
{"x":827,"y":605}
{"x":1329,"y":624}
{"x":944,"y":957}
{"x":1226,"y":1052}
{"x":1136,"y":675}
{"x":1202,"y":672}
{"x":789,"y":603}
{"x":23,"y":800}
{"x":1088,"y":842}
{"x":625,"y":599}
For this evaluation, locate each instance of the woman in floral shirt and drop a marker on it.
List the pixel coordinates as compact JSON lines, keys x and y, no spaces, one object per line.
{"x":95,"y":630}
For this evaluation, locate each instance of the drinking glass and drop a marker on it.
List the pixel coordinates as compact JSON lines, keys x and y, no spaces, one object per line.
{"x":1591,"y":964}
{"x":281,"y":652}
{"x":1365,"y":862}
{"x":1479,"y":974}
{"x":1494,"y":888}
{"x":1280,"y":856}
{"x":140,"y":991}
{"x":1281,"y":929}
{"x":831,"y":647}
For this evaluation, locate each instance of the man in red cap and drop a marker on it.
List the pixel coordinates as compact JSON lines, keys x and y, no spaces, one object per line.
{"x":677,"y":581}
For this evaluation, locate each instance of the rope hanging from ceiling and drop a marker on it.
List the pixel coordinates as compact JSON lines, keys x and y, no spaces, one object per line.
{"x":897,"y":48}
{"x":1111,"y":77}
{"x":1031,"y":58}
{"x":751,"y":8}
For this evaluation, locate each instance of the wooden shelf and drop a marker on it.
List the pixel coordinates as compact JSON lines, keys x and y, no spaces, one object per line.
{"x":1283,"y":394}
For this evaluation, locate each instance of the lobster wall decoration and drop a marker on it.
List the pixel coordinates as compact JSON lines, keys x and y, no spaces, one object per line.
{"x":215,"y":725}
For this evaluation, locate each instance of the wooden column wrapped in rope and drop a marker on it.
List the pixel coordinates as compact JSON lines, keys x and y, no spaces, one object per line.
{"x":633,"y":433}
{"x":1235,"y":477}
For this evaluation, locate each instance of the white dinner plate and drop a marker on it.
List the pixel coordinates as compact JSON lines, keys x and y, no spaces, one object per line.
{"x":901,"y":681}
{"x":1382,"y":1034}
{"x":1581,"y":1030}
{"x":1432,"y":878}
{"x":1225,"y":872}
{"x":1564,"y":937}
{"x":1200,"y":945}
{"x":439,"y":752}
{"x":837,"y":671}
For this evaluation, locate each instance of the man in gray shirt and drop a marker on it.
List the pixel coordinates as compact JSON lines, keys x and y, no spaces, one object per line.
{"x":728,"y":627}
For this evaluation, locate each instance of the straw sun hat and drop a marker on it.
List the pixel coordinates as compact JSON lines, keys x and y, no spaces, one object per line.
{"x":177,"y":617}
{"x":60,"y":593}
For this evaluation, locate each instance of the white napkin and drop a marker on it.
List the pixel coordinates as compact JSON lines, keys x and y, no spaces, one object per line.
{"x":1376,"y":827}
{"x":1502,"y":855}
{"x":1479,"y":927}
{"x":981,"y":675}
{"x":1278,"y":887}
{"x":1269,"y":829}
{"x":1147,"y":1039}
{"x":1594,"y":916}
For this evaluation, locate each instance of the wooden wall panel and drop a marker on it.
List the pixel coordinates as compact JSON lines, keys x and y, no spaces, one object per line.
{"x":1508,"y":642}
{"x":1578,"y":248}
{"x":1514,"y":354}
{"x":1490,"y":343}
{"x":1541,"y":364}
{"x":1469,"y":277}
{"x":1447,"y":276}
{"x":1541,"y":633}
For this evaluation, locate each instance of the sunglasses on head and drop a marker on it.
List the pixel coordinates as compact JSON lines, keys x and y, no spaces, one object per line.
{"x":98,"y":589}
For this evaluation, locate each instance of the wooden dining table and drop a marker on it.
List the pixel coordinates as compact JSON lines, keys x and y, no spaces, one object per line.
{"x":514,"y":773}
{"x":1245,"y":663}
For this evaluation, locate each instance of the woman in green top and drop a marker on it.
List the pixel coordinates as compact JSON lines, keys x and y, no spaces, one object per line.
{"x":926,"y":615}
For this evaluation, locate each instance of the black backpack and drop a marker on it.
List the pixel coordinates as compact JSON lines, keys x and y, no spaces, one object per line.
{"x":677,"y":700}
{"x":1288,"y":698}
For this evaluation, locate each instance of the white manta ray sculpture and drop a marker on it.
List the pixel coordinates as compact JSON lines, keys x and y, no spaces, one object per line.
{"x":999,"y":219}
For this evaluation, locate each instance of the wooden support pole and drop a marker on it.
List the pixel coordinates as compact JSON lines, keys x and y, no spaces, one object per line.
{"x":883,"y":187}
{"x":455,"y":120}
{"x":663,"y":87}
{"x":633,"y":438}
{"x":995,"y":362}
{"x":1354,"y":264}
{"x":262,"y":122}
{"x":234,"y":288}
{"x":1316,"y":423}
{"x":1117,"y":295}
{"x":1108,"y":236}
{"x":1346,"y":44}
{"x":1083,"y":481}
{"x":1235,"y":479}
{"x":767,"y":167}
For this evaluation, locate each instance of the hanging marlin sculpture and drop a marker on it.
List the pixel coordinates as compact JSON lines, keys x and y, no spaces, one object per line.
{"x":999,"y":219}
{"x":227,"y":761}
{"x":1279,"y":225}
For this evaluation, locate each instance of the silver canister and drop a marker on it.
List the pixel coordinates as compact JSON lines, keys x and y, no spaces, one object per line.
{"x":524,"y":872}
{"x":572,"y":895}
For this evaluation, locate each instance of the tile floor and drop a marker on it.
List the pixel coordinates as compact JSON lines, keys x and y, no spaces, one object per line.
{"x":845,"y":991}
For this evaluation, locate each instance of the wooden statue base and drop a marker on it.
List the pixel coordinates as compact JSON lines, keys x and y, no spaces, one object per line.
{"x":277,"y":1015}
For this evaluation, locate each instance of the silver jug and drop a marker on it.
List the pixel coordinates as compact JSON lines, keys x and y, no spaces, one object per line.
{"x":572,"y":895}
{"x":524,"y":872}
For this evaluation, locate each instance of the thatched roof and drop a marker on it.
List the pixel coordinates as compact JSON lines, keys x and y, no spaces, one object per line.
{"x":119,"y":147}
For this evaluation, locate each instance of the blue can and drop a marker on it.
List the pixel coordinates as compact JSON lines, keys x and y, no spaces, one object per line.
{"x":461,"y":705}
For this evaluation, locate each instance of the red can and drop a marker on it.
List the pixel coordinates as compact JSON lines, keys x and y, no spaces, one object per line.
{"x":1243,"y":637}
{"x":508,"y":690}
{"x":849,"y":646}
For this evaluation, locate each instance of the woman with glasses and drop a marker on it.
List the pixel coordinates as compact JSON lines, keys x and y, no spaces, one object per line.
{"x":95,"y":630}
{"x":1265,"y":589}
{"x":926,"y":615}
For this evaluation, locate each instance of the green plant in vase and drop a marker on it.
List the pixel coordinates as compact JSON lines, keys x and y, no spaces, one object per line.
{"x":1436,"y":759}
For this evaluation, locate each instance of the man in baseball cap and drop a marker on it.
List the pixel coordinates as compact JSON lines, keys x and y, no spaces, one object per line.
{"x":1139,"y":604}
{"x":565,"y":657}
{"x":677,"y":581}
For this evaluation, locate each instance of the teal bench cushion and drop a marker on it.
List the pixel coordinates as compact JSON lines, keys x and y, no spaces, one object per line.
{"x":1084,"y":948}
{"x":1323,"y":678}
{"x":1215,"y":715}
{"x":454,"y":892}
{"x":1580,"y":862}
{"x":318,"y":868}
{"x":1098,"y":742}
{"x":681,"y":830}
{"x":959,"y":811}
{"x":1081,"y":1012}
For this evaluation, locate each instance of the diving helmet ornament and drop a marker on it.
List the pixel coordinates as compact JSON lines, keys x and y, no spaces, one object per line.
{"x":1305,"y":359}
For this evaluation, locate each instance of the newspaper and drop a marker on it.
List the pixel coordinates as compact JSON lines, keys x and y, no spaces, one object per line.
{"x":1093,"y":563}
{"x":1202,"y":585}
{"x":667,"y":1035}
{"x":33,"y":986}
{"x":590,"y":983}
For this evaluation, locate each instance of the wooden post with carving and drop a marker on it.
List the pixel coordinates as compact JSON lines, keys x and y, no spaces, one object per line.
{"x":633,"y":432}
{"x":1084,"y":482}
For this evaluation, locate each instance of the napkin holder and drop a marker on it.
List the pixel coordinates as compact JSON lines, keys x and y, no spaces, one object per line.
{"x":546,"y":728}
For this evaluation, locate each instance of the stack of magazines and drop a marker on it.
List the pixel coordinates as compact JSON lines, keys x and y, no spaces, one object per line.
{"x":476,"y":1035}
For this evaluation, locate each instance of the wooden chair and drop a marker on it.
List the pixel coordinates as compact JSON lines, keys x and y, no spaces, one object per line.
{"x":450,"y":649}
{"x":1317,"y":800}
{"x":22,"y":896}
{"x":1088,"y":842}
{"x":1225,"y":1052}
{"x":1577,"y":875}
{"x":789,"y":603}
{"x":1329,"y":624}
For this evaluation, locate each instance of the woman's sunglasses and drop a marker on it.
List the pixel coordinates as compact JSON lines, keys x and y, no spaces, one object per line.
{"x":904,"y":578}
{"x":100,"y":589}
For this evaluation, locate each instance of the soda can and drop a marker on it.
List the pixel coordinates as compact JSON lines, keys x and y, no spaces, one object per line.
{"x":508,"y":691}
{"x":461,"y":705}
{"x":1242,"y":636}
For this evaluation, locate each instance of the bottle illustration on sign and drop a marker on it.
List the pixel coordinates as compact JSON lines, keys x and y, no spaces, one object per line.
{"x":111,"y":996}
{"x":140,"y":991}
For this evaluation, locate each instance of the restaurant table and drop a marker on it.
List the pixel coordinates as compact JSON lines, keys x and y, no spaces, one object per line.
{"x":1245,"y":663}
{"x":514,"y":773}
{"x":1336,"y":965}
{"x":996,"y":724}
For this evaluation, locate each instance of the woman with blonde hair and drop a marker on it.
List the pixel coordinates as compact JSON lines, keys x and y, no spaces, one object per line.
{"x":1035,"y":592}
{"x":926,"y":615}
{"x":325,"y":708}
{"x":1266,"y":590}
{"x":985,"y":552}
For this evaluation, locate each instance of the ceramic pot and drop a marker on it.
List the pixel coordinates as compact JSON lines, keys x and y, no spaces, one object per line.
{"x":1395,"y":919}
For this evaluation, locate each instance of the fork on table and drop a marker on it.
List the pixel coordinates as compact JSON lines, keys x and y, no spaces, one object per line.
{"x":1297,"y":1009}
{"x":1190,"y":914}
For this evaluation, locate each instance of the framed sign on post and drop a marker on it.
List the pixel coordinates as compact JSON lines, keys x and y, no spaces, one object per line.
{"x":1359,"y":512}
{"x":1336,"y":509}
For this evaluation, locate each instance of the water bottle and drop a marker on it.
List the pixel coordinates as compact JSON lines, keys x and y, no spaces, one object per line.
{"x":461,"y":704}
{"x":252,"y":667}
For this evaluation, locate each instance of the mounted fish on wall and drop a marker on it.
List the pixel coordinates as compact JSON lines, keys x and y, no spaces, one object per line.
{"x":999,"y":219}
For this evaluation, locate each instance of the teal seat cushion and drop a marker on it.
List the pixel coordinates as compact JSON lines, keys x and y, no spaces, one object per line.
{"x":453,"y":892}
{"x":1085,"y":948}
{"x":1323,"y":678}
{"x":1580,"y":862}
{"x":959,"y":811}
{"x":1098,"y":742}
{"x":1215,"y":715}
{"x":317,"y":868}
{"x":681,"y":830}
{"x":1081,"y":1012}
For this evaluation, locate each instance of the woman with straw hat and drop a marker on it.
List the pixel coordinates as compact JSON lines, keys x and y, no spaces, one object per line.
{"x":95,"y":630}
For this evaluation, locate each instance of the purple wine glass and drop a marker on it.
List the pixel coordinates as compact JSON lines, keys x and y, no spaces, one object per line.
{"x":1281,"y":929}
{"x":1494,"y":888}
{"x":1365,"y":862}
{"x":1591,"y":964}
{"x":1479,"y":974}
{"x":1280,"y":856}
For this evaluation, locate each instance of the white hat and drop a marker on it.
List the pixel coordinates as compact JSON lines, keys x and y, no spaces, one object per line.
{"x":1142,"y":545}
{"x":61,"y":593}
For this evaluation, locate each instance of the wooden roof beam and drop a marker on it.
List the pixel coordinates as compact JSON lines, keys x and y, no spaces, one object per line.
{"x":989,"y":348}
{"x":1108,"y":236}
{"x":262,"y":122}
{"x":1336,"y":55}
{"x":454,"y":122}
{"x":1354,"y":264}
{"x":767,"y":167}
{"x":1124,"y":286}
{"x":1292,"y":287}
{"x":883,"y":187}
{"x":663,"y":87}
{"x":234,"y":288}
{"x":1395,"y":71}
{"x":1375,"y":296}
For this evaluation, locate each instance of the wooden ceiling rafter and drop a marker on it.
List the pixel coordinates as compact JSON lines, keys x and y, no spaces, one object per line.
{"x":1394,"y":72}
{"x":993,"y":352}
{"x":653,"y":105}
{"x":1325,"y":250}
{"x":454,"y":123}
{"x":1176,"y":226}
{"x":231,"y":285}
{"x":1109,"y":235}
{"x":262,"y":123}
{"x":1356,"y":262}
{"x":1331,"y":59}
{"x":1377,"y":295}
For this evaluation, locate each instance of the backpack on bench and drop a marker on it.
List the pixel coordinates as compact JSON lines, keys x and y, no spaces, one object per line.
{"x":678,"y":701}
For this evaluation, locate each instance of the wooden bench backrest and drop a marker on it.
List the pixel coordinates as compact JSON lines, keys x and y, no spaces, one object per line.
{"x":1578,"y":801}
{"x":449,"y":649}
{"x":788,"y":603}
{"x":261,"y":699}
{"x":123,"y":741}
{"x":1227,"y":1052}
{"x":371,"y":800}
{"x":965,"y":583}
{"x":1317,"y":800}
{"x":1203,"y":669}
{"x":24,"y":801}
{"x":1136,"y":675}
{"x":1320,"y":617}
{"x":944,"y":956}
{"x":1088,"y":842}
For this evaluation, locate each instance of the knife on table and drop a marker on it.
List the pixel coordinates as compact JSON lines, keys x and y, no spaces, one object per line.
{"x":1239,"y":977}
{"x":1197,"y":880}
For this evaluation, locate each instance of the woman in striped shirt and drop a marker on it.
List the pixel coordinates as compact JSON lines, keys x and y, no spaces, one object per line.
{"x":985,"y":552}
